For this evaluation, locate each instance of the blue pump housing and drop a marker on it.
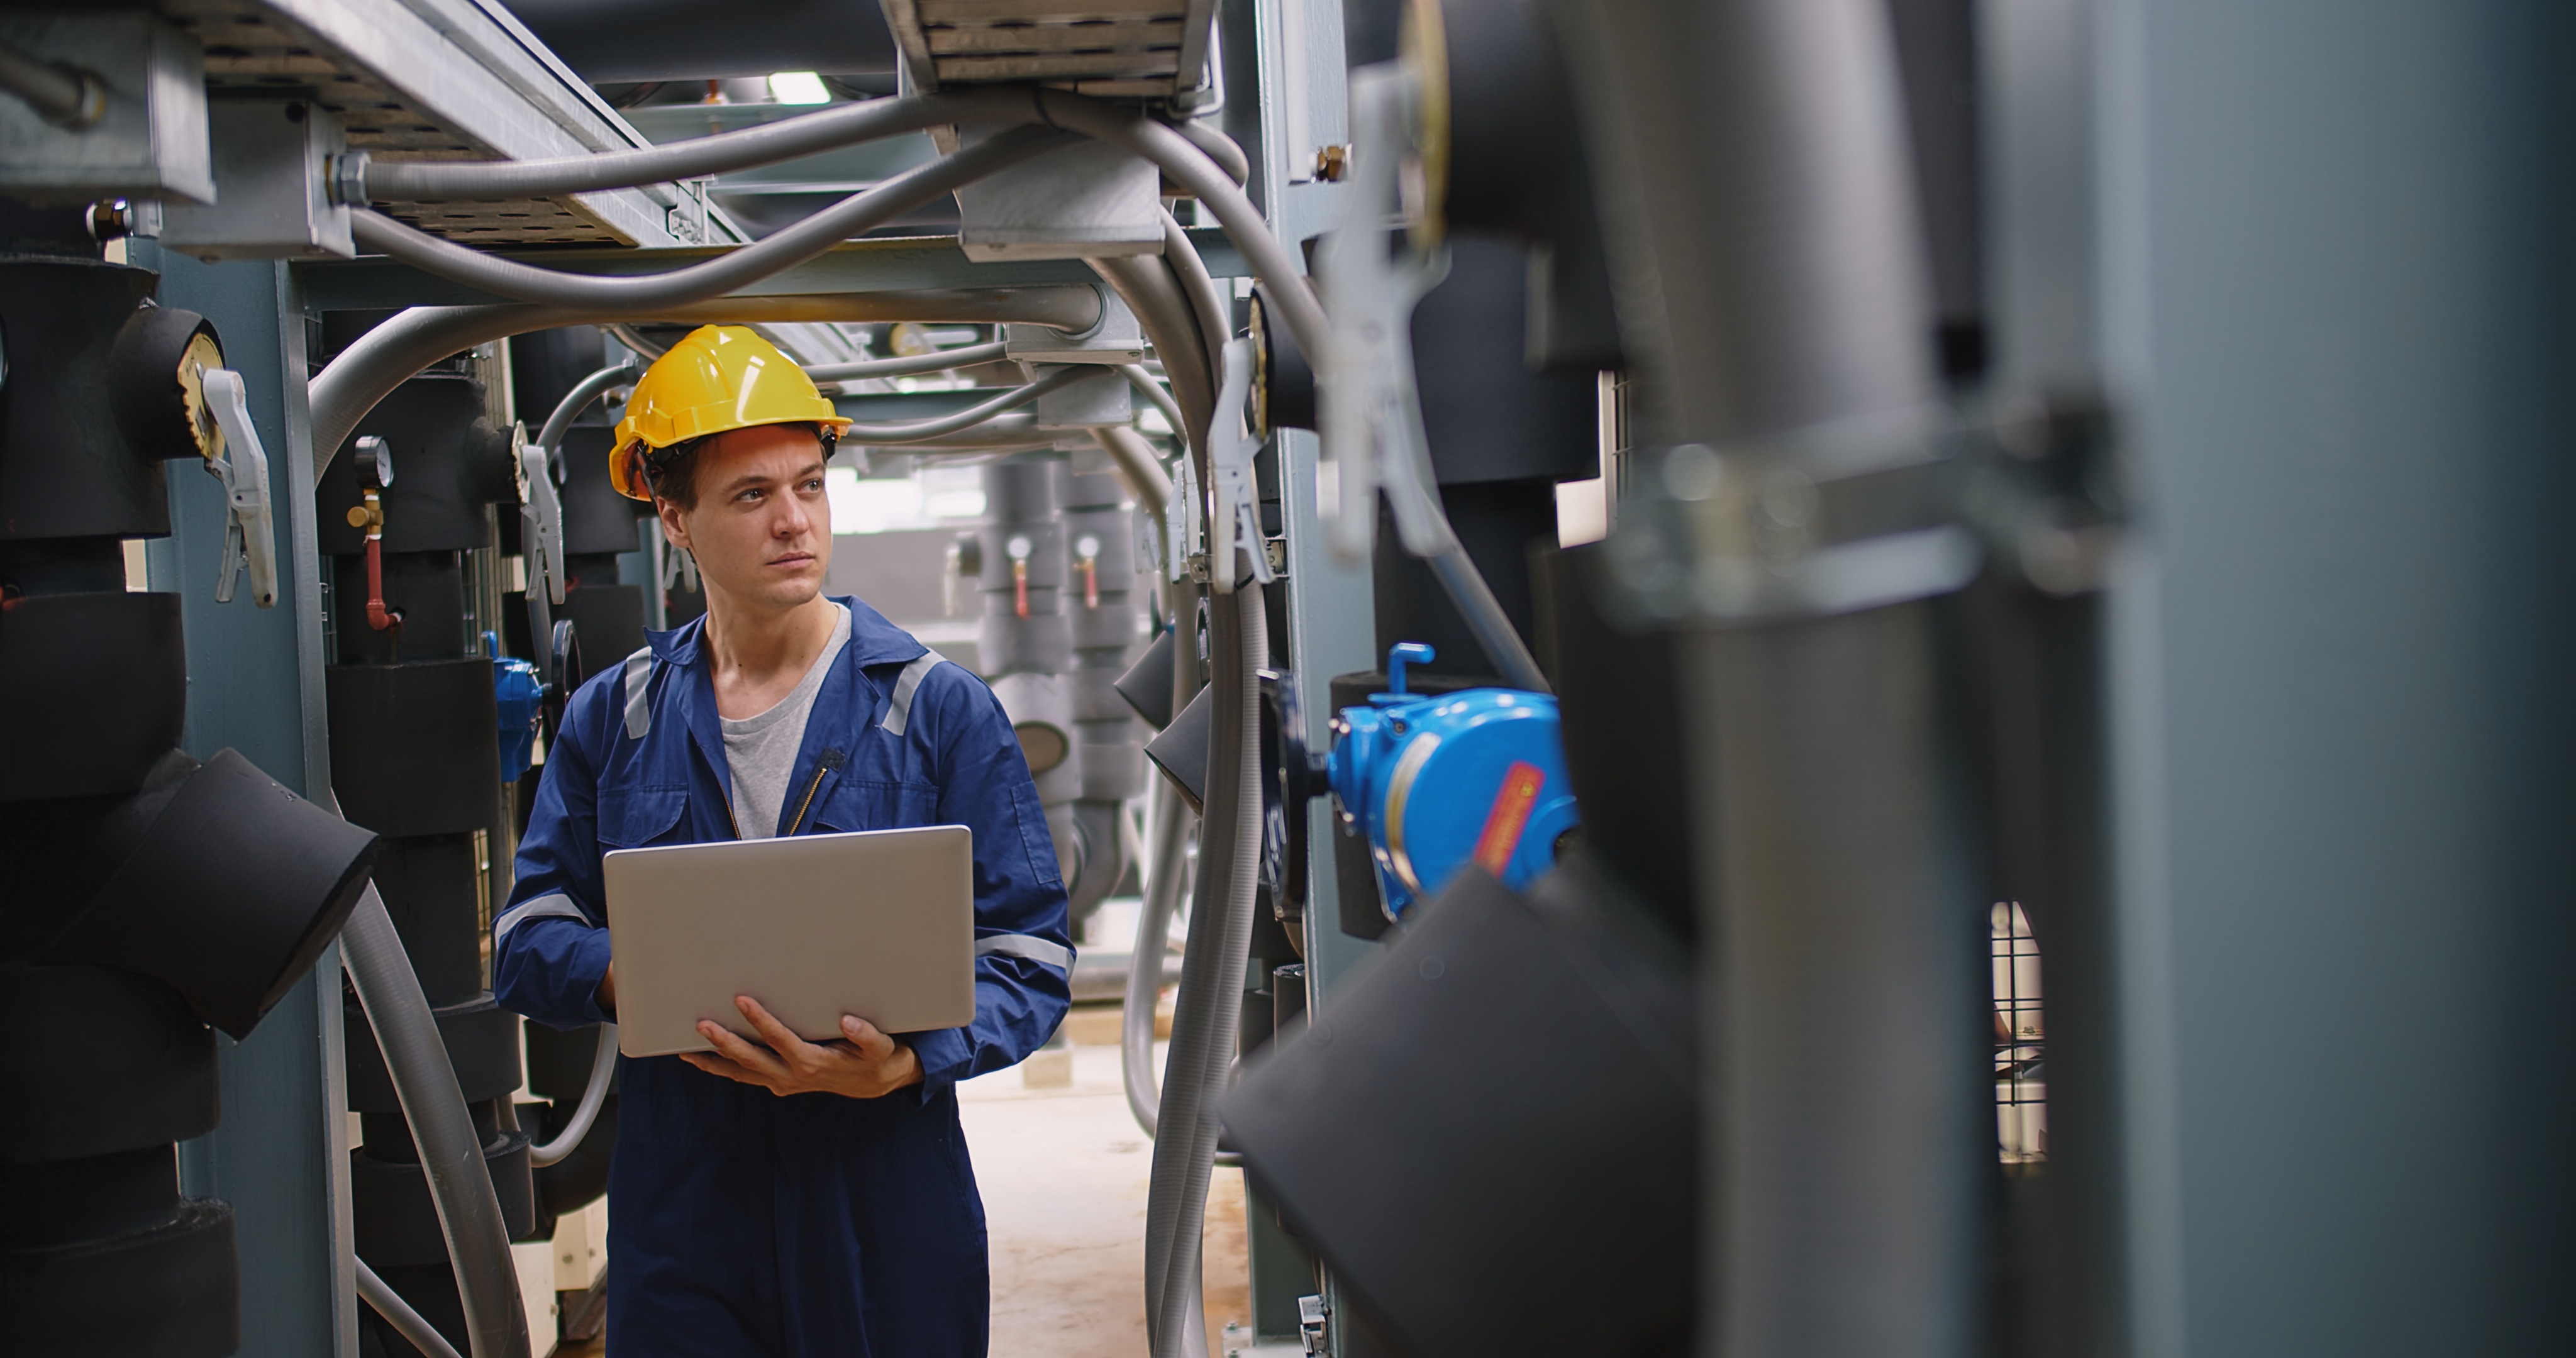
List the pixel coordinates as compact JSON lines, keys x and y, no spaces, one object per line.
{"x":520,"y":695}
{"x":1438,"y":781}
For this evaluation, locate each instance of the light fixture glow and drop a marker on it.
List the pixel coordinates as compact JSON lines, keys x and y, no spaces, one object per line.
{"x":798,"y":87}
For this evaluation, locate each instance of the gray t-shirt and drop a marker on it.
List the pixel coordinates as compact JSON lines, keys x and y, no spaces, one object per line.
{"x":761,"y":750}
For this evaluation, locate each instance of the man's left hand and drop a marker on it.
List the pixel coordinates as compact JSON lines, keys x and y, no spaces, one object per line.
{"x":866,"y":1064}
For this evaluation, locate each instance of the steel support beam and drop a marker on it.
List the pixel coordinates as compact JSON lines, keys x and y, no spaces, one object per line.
{"x":281,"y":1156}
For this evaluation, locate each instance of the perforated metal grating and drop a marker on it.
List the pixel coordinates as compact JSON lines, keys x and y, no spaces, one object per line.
{"x":253,"y":48}
{"x":1113,"y":48}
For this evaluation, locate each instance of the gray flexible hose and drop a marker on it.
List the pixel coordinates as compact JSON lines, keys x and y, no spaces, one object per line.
{"x":644,"y":349}
{"x":431,"y":181}
{"x":1168,"y":848}
{"x":1137,"y":465}
{"x":733,"y":269}
{"x":1149,"y":289}
{"x":1209,"y":1009}
{"x":387,"y":356}
{"x":1177,"y":155}
{"x":1215,"y":315}
{"x":451,"y":1155}
{"x":1013,"y":399}
{"x":1224,"y":150}
{"x":909,"y":364}
{"x":603,"y":1073}
{"x":578,"y":399}
{"x":1188,"y":165}
{"x":1144,"y":382}
{"x":59,"y":94}
{"x":1011,"y":433}
{"x":398,"y":1313}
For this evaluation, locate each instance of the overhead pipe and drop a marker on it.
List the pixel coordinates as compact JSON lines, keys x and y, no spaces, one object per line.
{"x":387,"y":356}
{"x":1181,"y":159}
{"x":1215,"y":314}
{"x":940,"y":361}
{"x":60,"y":94}
{"x":737,"y":268}
{"x":1137,"y":465}
{"x":578,"y":399}
{"x":1150,"y":289}
{"x":1155,"y":392}
{"x":434,"y":181}
{"x":971,"y":416}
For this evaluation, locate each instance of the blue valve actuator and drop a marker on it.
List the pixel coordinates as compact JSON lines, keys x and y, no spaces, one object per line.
{"x":1438,"y":781}
{"x":519,"y":694}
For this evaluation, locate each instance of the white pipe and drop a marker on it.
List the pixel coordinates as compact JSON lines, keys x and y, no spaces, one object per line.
{"x":603,"y":1073}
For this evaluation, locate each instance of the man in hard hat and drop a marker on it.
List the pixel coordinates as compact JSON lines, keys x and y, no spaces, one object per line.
{"x":781,"y":1197}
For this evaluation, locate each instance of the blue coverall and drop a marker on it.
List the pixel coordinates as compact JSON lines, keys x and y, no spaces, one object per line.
{"x":812,"y":1226}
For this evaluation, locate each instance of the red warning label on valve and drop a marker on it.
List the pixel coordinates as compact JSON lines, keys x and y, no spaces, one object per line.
{"x":1511,"y":812}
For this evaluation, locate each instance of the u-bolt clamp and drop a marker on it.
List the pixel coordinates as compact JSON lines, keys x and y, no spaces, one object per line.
{"x":241,"y":464}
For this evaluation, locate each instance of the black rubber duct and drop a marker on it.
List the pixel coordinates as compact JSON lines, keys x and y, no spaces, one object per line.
{"x":1517,"y":166}
{"x":92,"y":377}
{"x":1620,"y":704}
{"x":104,"y":1060}
{"x":399,"y":752}
{"x":1471,"y":1209}
{"x":93,"y":690}
{"x":228,"y":892}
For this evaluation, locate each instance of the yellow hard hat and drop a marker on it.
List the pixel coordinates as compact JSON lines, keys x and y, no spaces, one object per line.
{"x":720,"y":377}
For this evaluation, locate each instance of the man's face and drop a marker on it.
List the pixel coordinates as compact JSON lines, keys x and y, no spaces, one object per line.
{"x":761,"y":529}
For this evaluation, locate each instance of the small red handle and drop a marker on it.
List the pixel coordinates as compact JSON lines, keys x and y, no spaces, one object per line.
{"x":378,"y":617}
{"x":1020,"y":585}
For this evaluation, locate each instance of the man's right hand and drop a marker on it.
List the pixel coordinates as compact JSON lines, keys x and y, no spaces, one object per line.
{"x":608,"y":992}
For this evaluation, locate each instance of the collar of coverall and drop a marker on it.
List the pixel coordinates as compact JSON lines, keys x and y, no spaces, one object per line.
{"x":873,"y":639}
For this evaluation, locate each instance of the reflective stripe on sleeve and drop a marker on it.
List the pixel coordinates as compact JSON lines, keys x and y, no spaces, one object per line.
{"x":555,"y":904}
{"x":899,"y":712}
{"x":1022,"y":945}
{"x":639,"y":688}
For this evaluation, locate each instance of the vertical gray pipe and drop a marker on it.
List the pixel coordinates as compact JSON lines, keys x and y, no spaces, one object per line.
{"x":1767,"y":270}
{"x":1206,"y":1021}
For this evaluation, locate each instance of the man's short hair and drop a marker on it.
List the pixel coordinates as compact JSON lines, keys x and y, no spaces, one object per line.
{"x":673,"y":473}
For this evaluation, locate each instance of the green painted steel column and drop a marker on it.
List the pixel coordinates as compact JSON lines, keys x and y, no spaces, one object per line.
{"x":281,"y":1156}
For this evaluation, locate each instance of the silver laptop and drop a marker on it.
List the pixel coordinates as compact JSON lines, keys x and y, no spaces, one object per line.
{"x":877,"y":923}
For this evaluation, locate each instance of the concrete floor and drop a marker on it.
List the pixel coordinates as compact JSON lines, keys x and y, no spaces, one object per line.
{"x":1064,"y":1175}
